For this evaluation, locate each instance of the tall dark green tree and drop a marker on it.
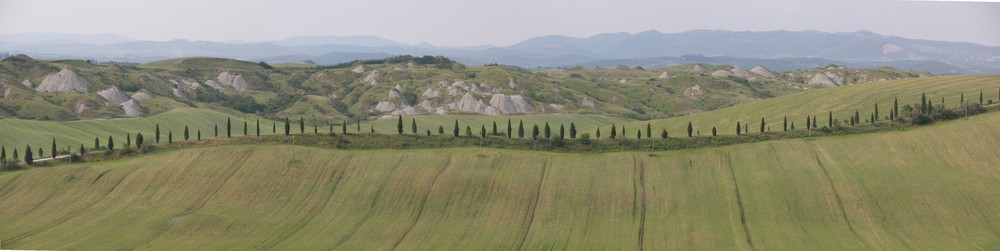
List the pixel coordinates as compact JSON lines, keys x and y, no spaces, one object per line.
{"x":857,"y":117}
{"x":413,"y":124}
{"x":792,"y":126}
{"x":784,"y":124}
{"x":548,"y":131}
{"x":343,"y":127}
{"x":128,"y":140}
{"x":638,"y":134}
{"x":440,"y":130}
{"x":482,"y":131}
{"x":111,"y":143}
{"x":399,"y":125}
{"x":875,"y":115}
{"x":598,"y":133}
{"x":315,"y":128}
{"x":562,"y":132}
{"x":923,"y":103}
{"x":28,"y":158}
{"x":97,"y":143}
{"x":690,"y":129}
{"x":302,"y":125}
{"x":663,"y":134}
{"x":245,"y":131}
{"x":53,"y":148}
{"x":216,"y":130}
{"x":572,"y":130}
{"x":274,"y":127}
{"x":895,"y":108}
{"x":739,"y":131}
{"x":359,"y":124}
{"x":157,"y":133}
{"x":623,"y":132}
{"x":288,"y":126}
{"x":534,"y":132}
{"x":199,"y":134}
{"x":258,"y":127}
{"x":520,"y":129}
{"x":762,"y":125}
{"x":468,"y":131}
{"x":15,"y":154}
{"x":138,"y":140}
{"x":3,"y":154}
{"x":510,"y":129}
{"x":495,"y":132}
{"x":649,"y":131}
{"x":229,"y":128}
{"x":815,"y":121}
{"x":714,"y":132}
{"x":170,"y":137}
{"x":187,"y":135}
{"x":829,"y":120}
{"x":456,"y":128}
{"x":808,"y":124}
{"x":961,"y":98}
{"x":980,"y":98}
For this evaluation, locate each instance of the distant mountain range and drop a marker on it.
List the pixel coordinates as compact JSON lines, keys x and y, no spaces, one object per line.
{"x":781,"y":50}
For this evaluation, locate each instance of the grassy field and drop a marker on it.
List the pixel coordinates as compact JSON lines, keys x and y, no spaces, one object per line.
{"x":585,"y":123}
{"x":932,"y":188}
{"x":18,"y":133}
{"x":842,"y":101}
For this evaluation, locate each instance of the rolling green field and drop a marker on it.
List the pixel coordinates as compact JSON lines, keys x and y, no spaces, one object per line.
{"x":842,"y":101}
{"x":931,"y":188}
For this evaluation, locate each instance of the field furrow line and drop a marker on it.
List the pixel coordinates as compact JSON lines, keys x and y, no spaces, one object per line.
{"x":641,"y":170}
{"x":840,"y":203}
{"x":529,"y":216}
{"x":423,"y":203}
{"x":739,"y":202}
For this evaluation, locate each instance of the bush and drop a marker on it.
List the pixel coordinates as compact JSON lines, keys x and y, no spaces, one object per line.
{"x":922,"y":119}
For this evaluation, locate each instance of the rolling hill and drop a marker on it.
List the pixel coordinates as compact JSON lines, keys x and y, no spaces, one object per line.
{"x":932,"y":188}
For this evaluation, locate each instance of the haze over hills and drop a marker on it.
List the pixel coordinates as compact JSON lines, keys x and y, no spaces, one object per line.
{"x":779,"y":50}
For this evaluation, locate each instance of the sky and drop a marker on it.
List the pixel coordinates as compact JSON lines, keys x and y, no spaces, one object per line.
{"x":492,"y":22}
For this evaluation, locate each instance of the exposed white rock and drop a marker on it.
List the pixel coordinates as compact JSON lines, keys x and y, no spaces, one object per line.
{"x":740,"y":72}
{"x":698,"y":68}
{"x":461,"y":84}
{"x":623,"y":81}
{"x":427,"y":105}
{"x":27,"y":83}
{"x":407,"y":111}
{"x":441,"y":111}
{"x":511,"y":83}
{"x":180,"y":94}
{"x":587,"y":102}
{"x":236,"y":81}
{"x":360,"y":69}
{"x":664,"y":75}
{"x":64,"y":81}
{"x":431,"y":93}
{"x":762,"y":71}
{"x":113,"y":95}
{"x":455,"y":92}
{"x":470,"y":103}
{"x":372,"y":78}
{"x":475,"y":89}
{"x":722,"y":73}
{"x":556,"y":106}
{"x":822,"y":79}
{"x":214,"y":85}
{"x":695,"y":92}
{"x":385,"y":106}
{"x":132,"y":108}
{"x":141,"y":95}
{"x":398,"y":88}
{"x":393,"y":94}
{"x":81,"y":107}
{"x":443,"y":84}
{"x":510,"y":104}
{"x":492,"y":111}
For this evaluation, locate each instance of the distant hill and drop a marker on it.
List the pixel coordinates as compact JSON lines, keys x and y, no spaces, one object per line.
{"x":771,"y":49}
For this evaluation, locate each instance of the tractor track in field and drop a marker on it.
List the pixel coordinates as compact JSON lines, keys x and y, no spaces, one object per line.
{"x":335,"y":177}
{"x":640,"y":168}
{"x":529,"y":216}
{"x":423,"y":203}
{"x":739,"y":202}
{"x":840,"y":203}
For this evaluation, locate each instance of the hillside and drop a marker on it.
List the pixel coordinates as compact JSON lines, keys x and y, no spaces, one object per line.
{"x":368,"y":90}
{"x":877,"y":191}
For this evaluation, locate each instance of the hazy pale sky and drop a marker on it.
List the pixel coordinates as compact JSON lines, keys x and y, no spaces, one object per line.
{"x":495,"y":22}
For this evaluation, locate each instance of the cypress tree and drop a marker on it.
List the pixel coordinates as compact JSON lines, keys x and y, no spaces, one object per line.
{"x":111,"y":143}
{"x":245,"y":131}
{"x":302,"y":125}
{"x":315,"y":128}
{"x":170,"y":137}
{"x":373,"y":129}
{"x":343,"y":127}
{"x":428,"y":132}
{"x":562,"y":132}
{"x":97,"y":143}
{"x":53,"y":148}
{"x":548,"y":131}
{"x":614,"y":133}
{"x":738,"y":129}
{"x":784,"y":124}
{"x":229,"y":128}
{"x":690,"y":129}
{"x":456,"y":128}
{"x":15,"y":154}
{"x":857,"y":117}
{"x":762,"y":125}
{"x":186,"y":135}
{"x":495,"y":132}
{"x":663,"y":134}
{"x":27,"y":155}
{"x":829,"y":120}
{"x":331,"y":129}
{"x":895,"y":108}
{"x":980,"y":97}
{"x":82,"y":150}
{"x":598,"y":133}
{"x":792,"y":126}
{"x":359,"y":125}
{"x":258,"y":128}
{"x":814,"y":122}
{"x":873,"y":118}
{"x":440,"y":130}
{"x":216,"y":130}
{"x":138,"y":140}
{"x":288,"y":126}
{"x":157,"y":135}
{"x":128,"y":140}
{"x":3,"y":154}
{"x":520,"y":129}
{"x":923,"y":103}
{"x":534,"y":132}
{"x":399,"y":125}
{"x":713,"y":131}
{"x":572,"y":130}
{"x":875,"y":115}
{"x":510,"y":129}
{"x":961,"y":98}
{"x":930,"y":107}
{"x":413,"y":122}
{"x":468,"y":131}
{"x":199,"y":134}
{"x":649,"y":131}
{"x":274,"y":127}
{"x":482,"y":131}
{"x":638,"y":134}
{"x":623,"y":132}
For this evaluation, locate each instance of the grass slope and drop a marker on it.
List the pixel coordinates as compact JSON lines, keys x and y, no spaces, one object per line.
{"x":931,"y":188}
{"x":585,"y":123}
{"x":18,"y":133}
{"x":842,"y":101}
